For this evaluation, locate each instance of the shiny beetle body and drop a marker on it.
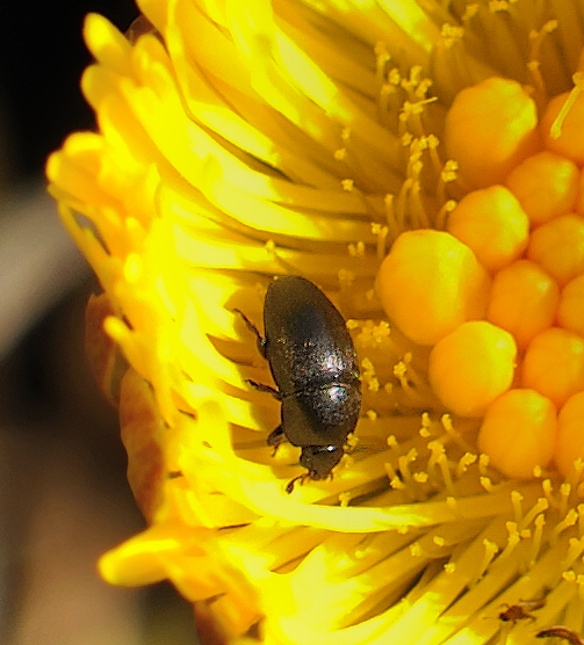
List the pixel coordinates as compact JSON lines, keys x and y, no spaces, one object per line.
{"x":313,"y":363}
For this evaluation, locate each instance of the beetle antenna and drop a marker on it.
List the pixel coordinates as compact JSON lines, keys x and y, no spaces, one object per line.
{"x":351,"y":451}
{"x":248,"y":323}
{"x":261,"y":341}
{"x":260,"y":387}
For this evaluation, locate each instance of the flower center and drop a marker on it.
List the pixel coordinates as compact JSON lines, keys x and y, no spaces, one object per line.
{"x":499,"y":296}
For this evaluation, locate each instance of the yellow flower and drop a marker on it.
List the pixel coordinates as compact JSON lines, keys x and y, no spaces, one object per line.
{"x":238,"y":141}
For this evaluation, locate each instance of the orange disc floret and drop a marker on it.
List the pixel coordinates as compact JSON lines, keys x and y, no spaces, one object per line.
{"x":554,"y":364}
{"x":570,"y":142}
{"x":491,"y":128}
{"x":472,"y":366}
{"x":430,"y":283}
{"x":492,"y":223}
{"x":558,"y":247}
{"x":518,"y":432}
{"x":571,"y":307}
{"x":523,"y":300}
{"x":579,"y":207}
{"x":570,"y":441}
{"x":546,"y":186}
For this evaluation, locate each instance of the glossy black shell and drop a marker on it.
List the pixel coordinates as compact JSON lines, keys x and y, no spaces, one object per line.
{"x":314,"y":365}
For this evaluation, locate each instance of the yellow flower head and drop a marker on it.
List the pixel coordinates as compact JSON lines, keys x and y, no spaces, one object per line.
{"x":421,"y":162}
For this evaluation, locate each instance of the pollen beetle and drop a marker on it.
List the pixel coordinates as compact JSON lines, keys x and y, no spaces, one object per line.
{"x":314,"y":364}
{"x":521,"y":610}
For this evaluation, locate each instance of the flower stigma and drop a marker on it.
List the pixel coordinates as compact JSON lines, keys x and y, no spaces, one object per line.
{"x":422,"y":164}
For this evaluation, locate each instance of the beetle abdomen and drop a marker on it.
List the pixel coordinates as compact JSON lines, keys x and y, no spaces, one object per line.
{"x":307,"y":342}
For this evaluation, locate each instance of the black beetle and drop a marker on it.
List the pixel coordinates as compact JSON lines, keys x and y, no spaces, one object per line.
{"x":314,"y":365}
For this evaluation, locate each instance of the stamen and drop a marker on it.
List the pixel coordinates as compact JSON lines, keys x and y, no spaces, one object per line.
{"x":575,"y":549}
{"x":537,"y":539}
{"x":451,"y":34}
{"x":382,"y":58}
{"x":483,"y":464}
{"x":371,"y":380}
{"x":548,"y":489}
{"x":371,"y":415}
{"x":453,"y":434}
{"x":394,"y":480}
{"x":345,"y":499}
{"x":410,"y":116}
{"x":580,"y":582}
{"x":490,"y":551}
{"x":356,"y":250}
{"x":393,"y":443}
{"x":569,"y":520}
{"x":464,"y":462}
{"x":415,"y":550}
{"x":448,"y":175}
{"x":536,"y":39}
{"x":408,"y":478}
{"x":540,"y":506}
{"x":393,"y":217}
{"x":446,"y":474}
{"x":569,"y":575}
{"x":424,"y":430}
{"x":420,"y":477}
{"x":498,"y":5}
{"x":516,"y":499}
{"x":381,"y":233}
{"x":409,"y":84}
{"x":575,"y":475}
{"x":513,"y":540}
{"x":565,"y":490}
{"x":437,"y":450}
{"x":580,"y":509}
{"x":556,"y":127}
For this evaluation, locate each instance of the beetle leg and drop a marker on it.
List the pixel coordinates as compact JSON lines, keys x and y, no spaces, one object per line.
{"x":264,"y":388}
{"x":261,"y":341}
{"x":292,"y":482}
{"x":275,"y":438}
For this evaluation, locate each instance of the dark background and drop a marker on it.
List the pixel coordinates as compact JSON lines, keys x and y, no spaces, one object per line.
{"x":42,"y":55}
{"x":63,"y":495}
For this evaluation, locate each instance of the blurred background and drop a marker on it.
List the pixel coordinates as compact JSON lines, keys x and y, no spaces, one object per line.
{"x":63,"y":493}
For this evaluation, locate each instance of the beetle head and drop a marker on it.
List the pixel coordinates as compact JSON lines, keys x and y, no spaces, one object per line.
{"x":320,"y":460}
